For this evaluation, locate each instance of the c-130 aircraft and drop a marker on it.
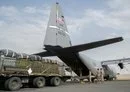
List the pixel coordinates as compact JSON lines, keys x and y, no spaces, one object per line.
{"x":57,"y":43}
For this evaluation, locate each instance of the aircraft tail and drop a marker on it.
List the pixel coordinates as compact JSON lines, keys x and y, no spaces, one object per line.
{"x":57,"y":37}
{"x":57,"y":33}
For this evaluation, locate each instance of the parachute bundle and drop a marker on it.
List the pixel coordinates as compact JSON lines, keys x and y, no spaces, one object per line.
{"x":50,"y":61}
{"x":12,"y":54}
{"x":22,"y":56}
{"x":35,"y":58}
{"x":8,"y":53}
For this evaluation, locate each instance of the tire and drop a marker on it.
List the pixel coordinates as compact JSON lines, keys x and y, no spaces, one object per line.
{"x":13,"y":83}
{"x":39,"y":82}
{"x":55,"y":81}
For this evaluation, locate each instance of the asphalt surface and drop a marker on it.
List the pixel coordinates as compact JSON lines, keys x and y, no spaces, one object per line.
{"x":109,"y":86}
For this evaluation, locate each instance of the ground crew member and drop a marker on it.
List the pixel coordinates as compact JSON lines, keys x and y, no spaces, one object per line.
{"x":98,"y":75}
{"x":101,"y":74}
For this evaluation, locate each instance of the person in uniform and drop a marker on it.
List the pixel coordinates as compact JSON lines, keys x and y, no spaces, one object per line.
{"x":98,"y":75}
{"x":101,"y":74}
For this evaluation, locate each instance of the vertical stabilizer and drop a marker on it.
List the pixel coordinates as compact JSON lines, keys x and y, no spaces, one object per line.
{"x":57,"y":33}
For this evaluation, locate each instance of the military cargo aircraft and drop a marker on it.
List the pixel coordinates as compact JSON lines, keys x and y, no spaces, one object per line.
{"x":57,"y":43}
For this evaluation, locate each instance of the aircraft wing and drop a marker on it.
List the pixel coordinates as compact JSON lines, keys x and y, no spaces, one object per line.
{"x":117,"y":61}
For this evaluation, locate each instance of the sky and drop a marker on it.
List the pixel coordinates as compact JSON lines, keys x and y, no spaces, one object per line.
{"x":23,"y":25}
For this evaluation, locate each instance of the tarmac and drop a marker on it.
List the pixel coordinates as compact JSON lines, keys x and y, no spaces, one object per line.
{"x":123,"y":77}
{"x":107,"y":86}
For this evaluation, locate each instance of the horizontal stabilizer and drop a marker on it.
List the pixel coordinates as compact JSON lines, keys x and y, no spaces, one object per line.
{"x":45,"y":54}
{"x":92,"y":45}
{"x":78,"y":48}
